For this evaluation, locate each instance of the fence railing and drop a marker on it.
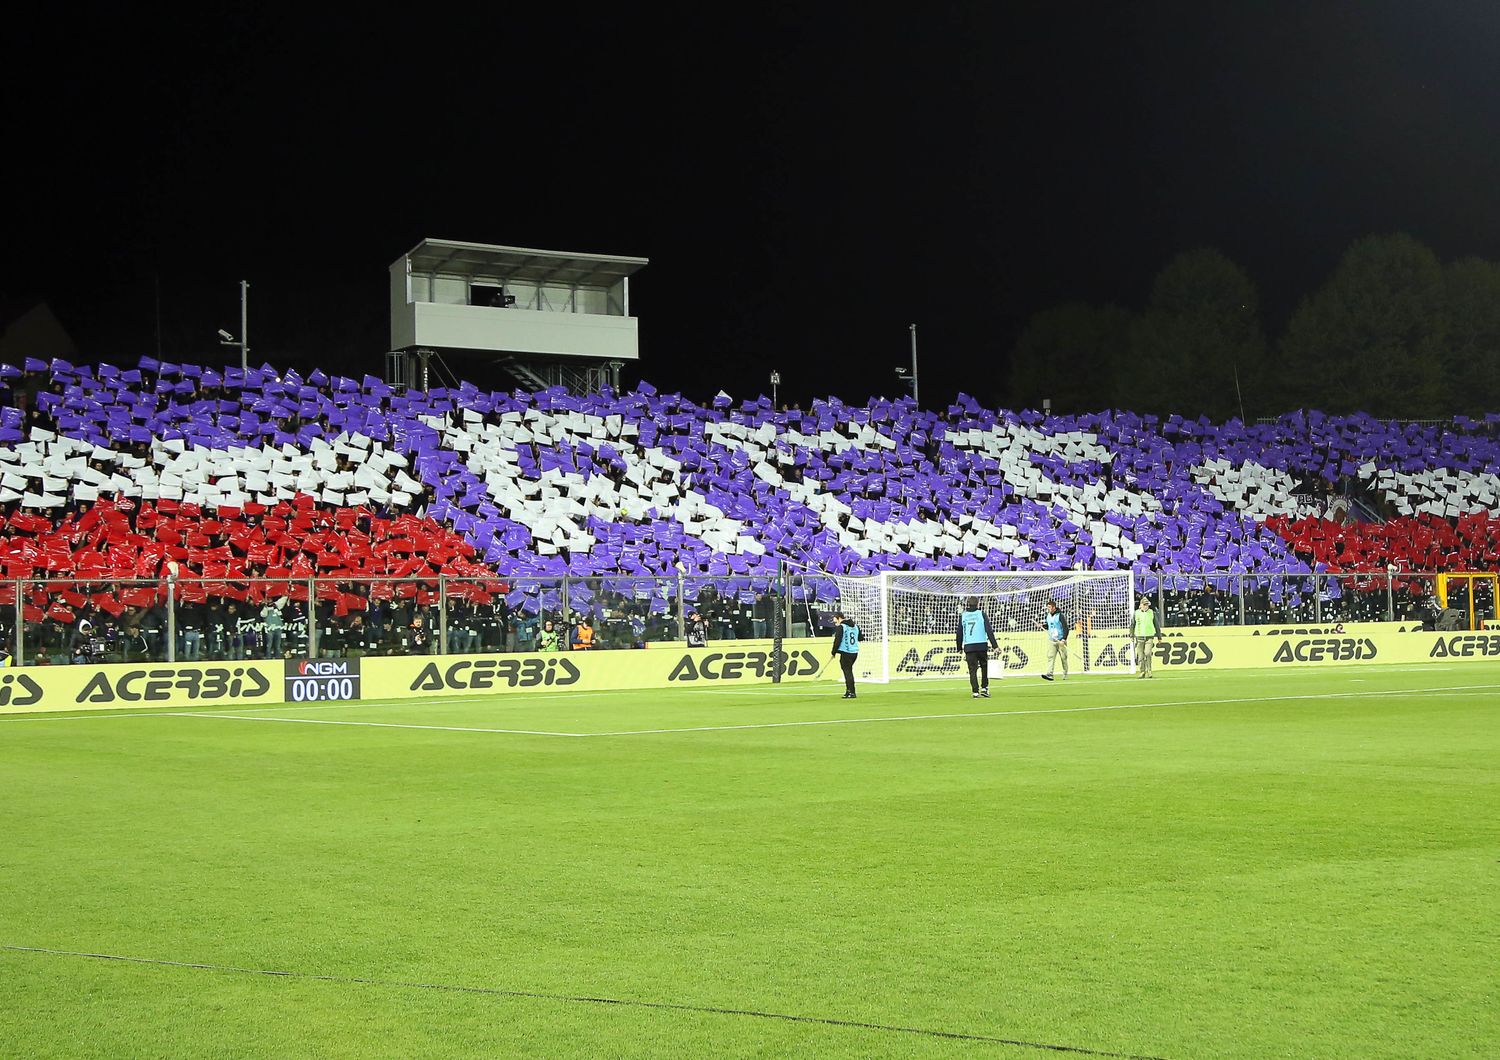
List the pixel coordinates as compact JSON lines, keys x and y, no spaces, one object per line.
{"x":1259,"y":599}
{"x":77,"y":620}
{"x":82,"y":620}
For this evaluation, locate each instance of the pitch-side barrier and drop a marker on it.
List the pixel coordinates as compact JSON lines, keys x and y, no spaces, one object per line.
{"x":726,"y":663}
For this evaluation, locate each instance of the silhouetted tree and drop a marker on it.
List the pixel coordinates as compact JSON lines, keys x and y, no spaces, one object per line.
{"x":1371,"y":339}
{"x":1199,"y":343}
{"x":1472,"y":352}
{"x":1068,"y":354}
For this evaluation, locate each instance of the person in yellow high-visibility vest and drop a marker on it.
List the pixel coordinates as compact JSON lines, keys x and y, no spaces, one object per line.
{"x":1143,"y":633}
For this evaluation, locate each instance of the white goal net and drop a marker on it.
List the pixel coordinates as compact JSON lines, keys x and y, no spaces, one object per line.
{"x":909,"y":621}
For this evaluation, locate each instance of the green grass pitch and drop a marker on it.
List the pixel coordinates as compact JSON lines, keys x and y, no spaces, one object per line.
{"x":1298,"y":863}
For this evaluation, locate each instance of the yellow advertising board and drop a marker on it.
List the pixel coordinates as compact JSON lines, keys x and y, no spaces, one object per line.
{"x":29,"y":689}
{"x":1017,"y":654}
{"x":25,"y":689}
{"x":1026,"y":654}
{"x":1212,"y":649}
{"x":723,"y":663}
{"x":1303,"y":629}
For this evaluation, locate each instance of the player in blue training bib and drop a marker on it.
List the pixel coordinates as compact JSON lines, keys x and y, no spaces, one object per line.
{"x":846,"y":647}
{"x":976,"y":640}
{"x":1057,"y":640}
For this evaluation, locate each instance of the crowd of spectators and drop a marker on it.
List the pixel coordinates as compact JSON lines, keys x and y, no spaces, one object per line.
{"x":423,"y":516}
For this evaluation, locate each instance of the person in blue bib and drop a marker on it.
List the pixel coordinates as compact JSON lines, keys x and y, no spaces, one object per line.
{"x":1056,"y":624}
{"x":846,"y":647}
{"x":976,"y":639}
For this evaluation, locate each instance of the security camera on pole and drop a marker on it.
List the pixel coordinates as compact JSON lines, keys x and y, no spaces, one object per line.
{"x":243,"y":342}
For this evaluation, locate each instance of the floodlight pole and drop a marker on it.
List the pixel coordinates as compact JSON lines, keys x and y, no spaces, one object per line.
{"x":914,"y":396}
{"x":245,"y":325}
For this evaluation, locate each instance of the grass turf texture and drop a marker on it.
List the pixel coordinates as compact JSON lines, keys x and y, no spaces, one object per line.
{"x":1289,"y":863}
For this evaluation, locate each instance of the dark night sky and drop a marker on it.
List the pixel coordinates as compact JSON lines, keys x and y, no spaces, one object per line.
{"x":806,"y":180}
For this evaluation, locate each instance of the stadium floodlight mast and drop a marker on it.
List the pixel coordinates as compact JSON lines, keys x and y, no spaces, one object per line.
{"x":243,"y":342}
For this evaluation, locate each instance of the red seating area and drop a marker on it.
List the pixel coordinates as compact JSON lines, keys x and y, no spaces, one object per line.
{"x":217,"y":554}
{"x":1417,"y":543}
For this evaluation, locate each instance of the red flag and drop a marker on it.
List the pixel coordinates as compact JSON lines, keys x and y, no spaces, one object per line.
{"x":139,"y":597}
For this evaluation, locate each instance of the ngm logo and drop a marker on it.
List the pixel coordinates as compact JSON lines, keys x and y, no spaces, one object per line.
{"x":324,"y":668}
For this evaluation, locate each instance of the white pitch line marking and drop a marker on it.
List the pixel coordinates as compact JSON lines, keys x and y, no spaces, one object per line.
{"x":1053,"y":710}
{"x":853,"y":721}
{"x":351,"y":703}
{"x":371,"y":724}
{"x":956,"y":679}
{"x":415,"y":700}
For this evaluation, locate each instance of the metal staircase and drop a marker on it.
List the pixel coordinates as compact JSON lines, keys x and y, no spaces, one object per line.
{"x":577,"y":378}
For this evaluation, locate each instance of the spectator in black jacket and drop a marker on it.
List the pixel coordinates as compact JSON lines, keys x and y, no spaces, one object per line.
{"x":697,"y":630}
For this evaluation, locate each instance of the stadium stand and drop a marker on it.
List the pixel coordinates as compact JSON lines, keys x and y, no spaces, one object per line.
{"x":244,"y":484}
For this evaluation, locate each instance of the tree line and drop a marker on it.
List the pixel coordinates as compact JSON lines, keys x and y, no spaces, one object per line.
{"x":1393,"y":332}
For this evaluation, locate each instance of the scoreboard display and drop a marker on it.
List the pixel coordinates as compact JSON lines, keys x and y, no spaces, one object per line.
{"x":322,"y":680}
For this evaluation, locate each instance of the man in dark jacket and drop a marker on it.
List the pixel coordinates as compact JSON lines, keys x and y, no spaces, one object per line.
{"x":697,"y":630}
{"x":846,"y":647}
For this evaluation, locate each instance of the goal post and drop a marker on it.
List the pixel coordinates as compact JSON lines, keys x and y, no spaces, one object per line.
{"x":908,"y":620}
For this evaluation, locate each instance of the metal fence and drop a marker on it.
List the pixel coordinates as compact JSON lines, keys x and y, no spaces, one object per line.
{"x":1199,"y":600}
{"x":74,"y":620}
{"x":71,"y":620}
{"x":1277,"y":599}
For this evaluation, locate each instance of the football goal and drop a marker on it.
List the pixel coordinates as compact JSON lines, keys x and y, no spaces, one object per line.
{"x":908,"y":620}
